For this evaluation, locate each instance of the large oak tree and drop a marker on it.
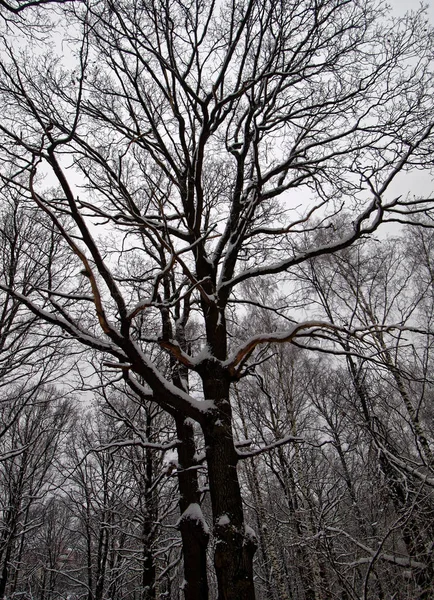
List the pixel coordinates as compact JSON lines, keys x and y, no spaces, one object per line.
{"x":191,"y":148}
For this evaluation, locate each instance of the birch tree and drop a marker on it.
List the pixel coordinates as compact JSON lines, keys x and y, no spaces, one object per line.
{"x":371,"y":286}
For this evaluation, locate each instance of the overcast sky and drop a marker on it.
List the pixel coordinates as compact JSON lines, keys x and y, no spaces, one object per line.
{"x":402,"y":6}
{"x":418,"y":183}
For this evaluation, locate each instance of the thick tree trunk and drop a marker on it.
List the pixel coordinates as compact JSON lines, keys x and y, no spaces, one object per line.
{"x":148,"y":568}
{"x":234,"y":549}
{"x":194,"y":531}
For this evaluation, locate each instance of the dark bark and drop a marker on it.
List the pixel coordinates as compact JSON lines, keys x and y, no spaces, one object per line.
{"x":234,"y":550}
{"x":7,"y":542}
{"x":193,"y":532}
{"x":5,"y":571}
{"x":149,"y":571}
{"x":151,"y":504}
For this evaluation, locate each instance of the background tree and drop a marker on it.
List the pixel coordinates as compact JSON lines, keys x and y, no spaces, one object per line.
{"x":31,"y":353}
{"x":26,"y":477}
{"x":365,"y":288}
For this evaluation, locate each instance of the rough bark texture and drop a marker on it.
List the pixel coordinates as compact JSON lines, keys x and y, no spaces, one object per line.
{"x":194,"y":535}
{"x":234,"y":551}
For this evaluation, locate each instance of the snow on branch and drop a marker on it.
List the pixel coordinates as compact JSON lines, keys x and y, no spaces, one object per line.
{"x":286,"y":440}
{"x":13,"y":453}
{"x":115,"y":444}
{"x":166,"y":393}
{"x":306,"y":329}
{"x":423,"y":477}
{"x":402,"y":561}
{"x":177,"y":352}
{"x":67,"y":325}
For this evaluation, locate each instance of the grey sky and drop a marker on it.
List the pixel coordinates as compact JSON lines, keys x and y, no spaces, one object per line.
{"x":401,"y":6}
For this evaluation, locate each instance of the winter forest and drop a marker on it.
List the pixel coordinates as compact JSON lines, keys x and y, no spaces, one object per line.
{"x":216,"y":300}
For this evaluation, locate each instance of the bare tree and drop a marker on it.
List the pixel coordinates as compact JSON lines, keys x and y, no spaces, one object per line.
{"x":19,"y":6}
{"x":27,"y":477}
{"x":31,"y":353}
{"x":369,"y":287}
{"x":216,"y":144}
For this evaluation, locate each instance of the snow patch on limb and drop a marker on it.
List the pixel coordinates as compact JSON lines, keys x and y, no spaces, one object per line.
{"x":173,"y":347}
{"x":137,"y":442}
{"x":243,"y":443}
{"x":71,"y":327}
{"x":118,"y":365}
{"x":204,"y":354}
{"x":223,"y":520}
{"x":194,"y":513}
{"x":306,"y":328}
{"x":250,"y":536}
{"x":365,"y":223}
{"x":402,"y":561}
{"x":179,"y":399}
{"x":424,"y":477}
{"x":285,"y":440}
{"x":199,"y":457}
{"x":13,"y":453}
{"x":142,"y":305}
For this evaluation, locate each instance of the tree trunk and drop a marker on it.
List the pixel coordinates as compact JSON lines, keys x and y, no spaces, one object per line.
{"x":148,"y":562}
{"x":150,"y":515}
{"x":194,"y":532}
{"x":234,"y":550}
{"x":415,"y":539}
{"x":5,"y":570}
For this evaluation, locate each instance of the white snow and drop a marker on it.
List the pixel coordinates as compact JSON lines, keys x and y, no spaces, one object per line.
{"x":223,"y":520}
{"x":285,"y":440}
{"x":194,"y":513}
{"x":285,"y":335}
{"x":142,"y":305}
{"x":250,"y":534}
{"x":201,"y":406}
